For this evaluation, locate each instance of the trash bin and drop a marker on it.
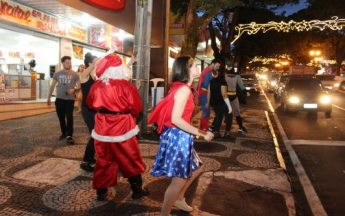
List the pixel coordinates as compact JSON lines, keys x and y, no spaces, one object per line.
{"x":157,"y":92}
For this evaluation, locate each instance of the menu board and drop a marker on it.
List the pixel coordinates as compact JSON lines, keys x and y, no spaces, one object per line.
{"x":103,"y":38}
{"x":29,"y":55}
{"x":78,"y":52}
{"x":14,"y":54}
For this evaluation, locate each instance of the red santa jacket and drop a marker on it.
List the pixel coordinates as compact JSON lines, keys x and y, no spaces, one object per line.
{"x":117,"y":96}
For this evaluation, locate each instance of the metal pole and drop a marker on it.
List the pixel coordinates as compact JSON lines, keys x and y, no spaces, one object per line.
{"x":142,"y":49}
{"x":166,"y":46}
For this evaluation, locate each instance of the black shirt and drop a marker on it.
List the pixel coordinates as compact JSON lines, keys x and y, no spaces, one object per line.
{"x":216,"y":92}
{"x":85,"y":88}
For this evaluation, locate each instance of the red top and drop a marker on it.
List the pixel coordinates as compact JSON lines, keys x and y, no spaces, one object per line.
{"x":117,"y":96}
{"x":162,"y":114}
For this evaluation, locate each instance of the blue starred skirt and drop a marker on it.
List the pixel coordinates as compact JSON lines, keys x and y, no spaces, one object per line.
{"x":176,"y":156}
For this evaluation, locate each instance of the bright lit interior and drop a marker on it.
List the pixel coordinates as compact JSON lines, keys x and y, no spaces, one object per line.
{"x":46,"y":52}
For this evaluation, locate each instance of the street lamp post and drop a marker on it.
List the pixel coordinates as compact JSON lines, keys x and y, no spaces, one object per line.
{"x":316,"y":55}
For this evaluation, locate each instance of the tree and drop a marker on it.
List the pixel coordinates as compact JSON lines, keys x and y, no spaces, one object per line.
{"x":332,"y":42}
{"x":249,"y":46}
{"x":200,"y":13}
{"x":335,"y":40}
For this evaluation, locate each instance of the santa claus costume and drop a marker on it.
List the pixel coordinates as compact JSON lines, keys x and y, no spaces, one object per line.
{"x":117,"y":103}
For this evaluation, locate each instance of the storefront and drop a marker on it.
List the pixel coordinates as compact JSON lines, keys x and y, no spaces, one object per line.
{"x":28,"y":34}
{"x":19,"y":47}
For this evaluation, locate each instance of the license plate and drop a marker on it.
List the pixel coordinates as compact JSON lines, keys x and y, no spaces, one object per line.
{"x":310,"y":106}
{"x":247,"y":88}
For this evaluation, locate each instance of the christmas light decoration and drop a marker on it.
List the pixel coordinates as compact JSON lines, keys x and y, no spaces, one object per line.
{"x":269,"y":60}
{"x":332,"y":62}
{"x":253,"y":28}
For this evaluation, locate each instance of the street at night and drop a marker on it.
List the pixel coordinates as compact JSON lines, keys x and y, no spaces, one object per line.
{"x":319,"y":143}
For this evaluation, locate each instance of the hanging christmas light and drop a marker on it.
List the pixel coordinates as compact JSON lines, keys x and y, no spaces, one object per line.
{"x":253,"y":28}
{"x":269,"y":60}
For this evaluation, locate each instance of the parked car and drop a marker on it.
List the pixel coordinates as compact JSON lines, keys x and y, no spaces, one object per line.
{"x":340,"y":82}
{"x":305,"y":93}
{"x":328,"y":81}
{"x":250,"y":82}
{"x":272,"y":81}
{"x":280,"y":84}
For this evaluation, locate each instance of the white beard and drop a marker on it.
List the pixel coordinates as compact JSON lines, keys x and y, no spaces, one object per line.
{"x":120,"y":72}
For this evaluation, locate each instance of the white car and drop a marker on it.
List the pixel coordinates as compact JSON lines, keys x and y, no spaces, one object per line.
{"x":328,"y":81}
{"x":332,"y":82}
{"x":340,"y":82}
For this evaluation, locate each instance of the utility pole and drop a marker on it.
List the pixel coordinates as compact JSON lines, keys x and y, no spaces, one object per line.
{"x":166,"y":45}
{"x":142,"y":48}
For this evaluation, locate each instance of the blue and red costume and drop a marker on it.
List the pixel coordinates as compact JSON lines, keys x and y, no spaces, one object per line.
{"x":204,"y":81}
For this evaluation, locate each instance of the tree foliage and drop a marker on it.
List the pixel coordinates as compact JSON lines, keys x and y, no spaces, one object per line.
{"x":200,"y":13}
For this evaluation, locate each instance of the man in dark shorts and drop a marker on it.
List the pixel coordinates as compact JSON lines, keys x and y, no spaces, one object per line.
{"x":68,"y":83}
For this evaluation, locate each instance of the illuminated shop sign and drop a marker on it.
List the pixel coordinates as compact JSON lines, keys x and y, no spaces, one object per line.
{"x":104,"y":38}
{"x":28,"y":17}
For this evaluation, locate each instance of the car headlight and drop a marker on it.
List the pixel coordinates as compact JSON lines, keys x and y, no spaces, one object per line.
{"x":294,"y":100}
{"x":325,"y":99}
{"x":273,"y":83}
{"x":336,"y":85}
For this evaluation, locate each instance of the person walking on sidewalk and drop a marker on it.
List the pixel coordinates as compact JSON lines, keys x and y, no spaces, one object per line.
{"x":117,"y":103}
{"x":176,"y":157}
{"x":205,"y":78}
{"x":233,"y":79}
{"x":218,"y":99}
{"x":68,"y":83}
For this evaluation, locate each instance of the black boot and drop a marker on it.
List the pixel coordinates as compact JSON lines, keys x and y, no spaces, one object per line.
{"x":136,"y":186}
{"x":102,"y":194}
{"x":240,"y":124}
{"x":86,"y":166}
{"x":216,"y":135}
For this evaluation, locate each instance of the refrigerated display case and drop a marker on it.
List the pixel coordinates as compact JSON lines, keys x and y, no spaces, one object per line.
{"x":17,"y":82}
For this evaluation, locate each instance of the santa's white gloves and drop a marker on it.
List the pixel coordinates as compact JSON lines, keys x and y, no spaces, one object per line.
{"x":227,"y":102}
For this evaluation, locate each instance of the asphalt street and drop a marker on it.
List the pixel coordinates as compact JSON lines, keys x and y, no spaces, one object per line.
{"x":319,"y":143}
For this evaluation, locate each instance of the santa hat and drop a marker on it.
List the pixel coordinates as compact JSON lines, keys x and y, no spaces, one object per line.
{"x":111,"y":67}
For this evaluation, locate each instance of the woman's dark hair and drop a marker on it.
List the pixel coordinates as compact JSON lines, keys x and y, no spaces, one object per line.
{"x":181,"y":69}
{"x":80,"y":67}
{"x":88,"y":59}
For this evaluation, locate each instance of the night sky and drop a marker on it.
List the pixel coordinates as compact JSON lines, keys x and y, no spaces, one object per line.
{"x":290,"y":9}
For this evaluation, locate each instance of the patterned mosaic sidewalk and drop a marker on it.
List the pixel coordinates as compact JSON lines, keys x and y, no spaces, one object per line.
{"x":40,"y":175}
